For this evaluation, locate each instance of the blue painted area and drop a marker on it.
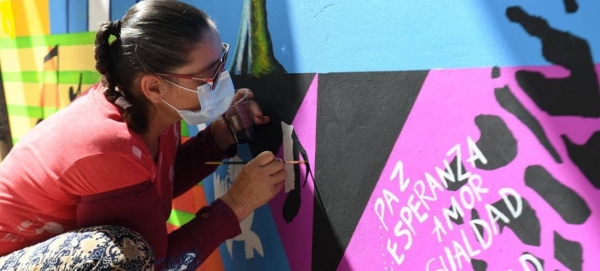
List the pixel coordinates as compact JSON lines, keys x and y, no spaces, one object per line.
{"x":263,"y":225}
{"x":118,"y":8}
{"x":389,"y":35}
{"x":58,"y":16}
{"x":193,"y":129}
{"x":274,"y":256}
{"x":226,"y":15}
{"x":78,"y":16}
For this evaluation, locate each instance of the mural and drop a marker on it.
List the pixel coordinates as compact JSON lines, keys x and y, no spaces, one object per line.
{"x":435,"y":140}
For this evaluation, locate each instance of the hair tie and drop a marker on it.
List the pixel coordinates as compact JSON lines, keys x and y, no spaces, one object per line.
{"x":116,"y":28}
{"x":122,"y":102}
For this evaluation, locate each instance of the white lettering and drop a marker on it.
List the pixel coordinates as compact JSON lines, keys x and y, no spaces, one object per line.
{"x":389,"y":197}
{"x":494,"y":214}
{"x":474,"y":153}
{"x":399,"y":172}
{"x":380,"y":211}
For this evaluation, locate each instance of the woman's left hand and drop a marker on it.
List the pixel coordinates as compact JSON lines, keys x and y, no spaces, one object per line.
{"x":220,"y":129}
{"x":252,"y":109}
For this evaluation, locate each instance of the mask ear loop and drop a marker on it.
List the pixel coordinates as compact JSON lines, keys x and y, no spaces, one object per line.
{"x":177,"y":85}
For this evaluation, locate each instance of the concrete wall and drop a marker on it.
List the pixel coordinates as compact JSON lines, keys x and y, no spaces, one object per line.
{"x":440,"y":135}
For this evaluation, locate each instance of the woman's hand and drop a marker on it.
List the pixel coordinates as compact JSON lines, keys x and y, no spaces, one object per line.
{"x":260,"y":180}
{"x":252,"y":108}
{"x":219,"y":128}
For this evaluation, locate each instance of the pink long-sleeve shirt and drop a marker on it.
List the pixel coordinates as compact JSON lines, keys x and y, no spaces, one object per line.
{"x":83,"y":167}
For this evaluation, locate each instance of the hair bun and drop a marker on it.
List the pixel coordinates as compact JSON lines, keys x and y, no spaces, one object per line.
{"x":115,"y":28}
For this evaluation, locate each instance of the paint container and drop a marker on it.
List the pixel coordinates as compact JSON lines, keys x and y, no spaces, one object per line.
{"x":241,"y":120}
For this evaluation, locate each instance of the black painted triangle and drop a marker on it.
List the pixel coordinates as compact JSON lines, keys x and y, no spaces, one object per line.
{"x":279,"y":97}
{"x":359,"y":118}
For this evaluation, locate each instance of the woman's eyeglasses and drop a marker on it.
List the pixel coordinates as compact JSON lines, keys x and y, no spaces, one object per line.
{"x":212,"y":81}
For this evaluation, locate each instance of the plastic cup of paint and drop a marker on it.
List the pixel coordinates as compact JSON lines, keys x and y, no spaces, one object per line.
{"x":240,"y":119}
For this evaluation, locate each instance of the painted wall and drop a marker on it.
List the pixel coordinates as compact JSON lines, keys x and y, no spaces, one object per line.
{"x":457,"y":135}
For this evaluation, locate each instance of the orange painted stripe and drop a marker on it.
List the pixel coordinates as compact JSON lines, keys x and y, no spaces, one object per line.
{"x":191,"y":202}
{"x":213,"y":263}
{"x":171,"y":227}
{"x":31,"y":17}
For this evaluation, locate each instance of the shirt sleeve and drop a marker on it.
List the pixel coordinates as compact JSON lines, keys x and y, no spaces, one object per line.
{"x":190,"y":167}
{"x":139,"y":208}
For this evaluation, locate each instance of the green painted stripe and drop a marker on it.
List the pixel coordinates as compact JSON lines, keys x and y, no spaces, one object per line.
{"x":184,"y":129}
{"x":81,"y":38}
{"x":35,"y":112}
{"x":49,"y":77}
{"x":180,"y":218}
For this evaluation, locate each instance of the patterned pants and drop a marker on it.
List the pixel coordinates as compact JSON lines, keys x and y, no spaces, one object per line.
{"x":94,"y":248}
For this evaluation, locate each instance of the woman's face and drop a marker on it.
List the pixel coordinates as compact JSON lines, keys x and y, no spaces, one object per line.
{"x":204,"y":62}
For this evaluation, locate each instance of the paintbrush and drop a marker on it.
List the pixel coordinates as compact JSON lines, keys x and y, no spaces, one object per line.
{"x":243,"y":163}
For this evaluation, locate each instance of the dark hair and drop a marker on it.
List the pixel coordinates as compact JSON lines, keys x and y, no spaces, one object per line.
{"x":154,"y":36}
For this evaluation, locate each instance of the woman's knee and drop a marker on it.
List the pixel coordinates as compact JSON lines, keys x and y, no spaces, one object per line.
{"x":93,"y":248}
{"x":115,"y":247}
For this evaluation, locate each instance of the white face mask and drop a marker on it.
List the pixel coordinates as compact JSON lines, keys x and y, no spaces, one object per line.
{"x":213,"y":103}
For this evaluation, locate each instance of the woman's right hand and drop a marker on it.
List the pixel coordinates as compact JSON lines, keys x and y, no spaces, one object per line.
{"x":260,"y":180}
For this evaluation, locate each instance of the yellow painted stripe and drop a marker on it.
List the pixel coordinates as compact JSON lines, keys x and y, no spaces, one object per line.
{"x":30,"y":93}
{"x":19,"y":126}
{"x":70,"y":58}
{"x":80,"y":38}
{"x":8,"y":20}
{"x":76,"y":58}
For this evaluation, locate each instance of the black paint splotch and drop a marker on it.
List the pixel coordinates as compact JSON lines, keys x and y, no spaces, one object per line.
{"x":479,"y":265}
{"x":509,"y":102}
{"x":496,"y":142}
{"x":495,"y":72}
{"x":457,"y":183}
{"x":576,"y":95}
{"x":541,"y":261}
{"x":586,"y":157}
{"x":571,"y":6}
{"x":568,"y":204}
{"x":459,"y":220}
{"x":526,"y":226}
{"x":568,"y":252}
{"x":292,"y":202}
{"x":475,"y":216}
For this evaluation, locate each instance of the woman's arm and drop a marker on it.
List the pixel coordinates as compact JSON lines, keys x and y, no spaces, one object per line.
{"x":190,"y":167}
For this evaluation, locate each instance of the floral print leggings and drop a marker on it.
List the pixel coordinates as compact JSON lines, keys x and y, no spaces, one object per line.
{"x":94,"y":248}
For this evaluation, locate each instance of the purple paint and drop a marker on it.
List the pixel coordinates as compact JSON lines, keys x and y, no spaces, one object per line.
{"x":442,"y":117}
{"x":297,"y":236}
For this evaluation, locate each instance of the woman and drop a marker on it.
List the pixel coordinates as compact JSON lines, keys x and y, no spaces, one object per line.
{"x":91,"y":186}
